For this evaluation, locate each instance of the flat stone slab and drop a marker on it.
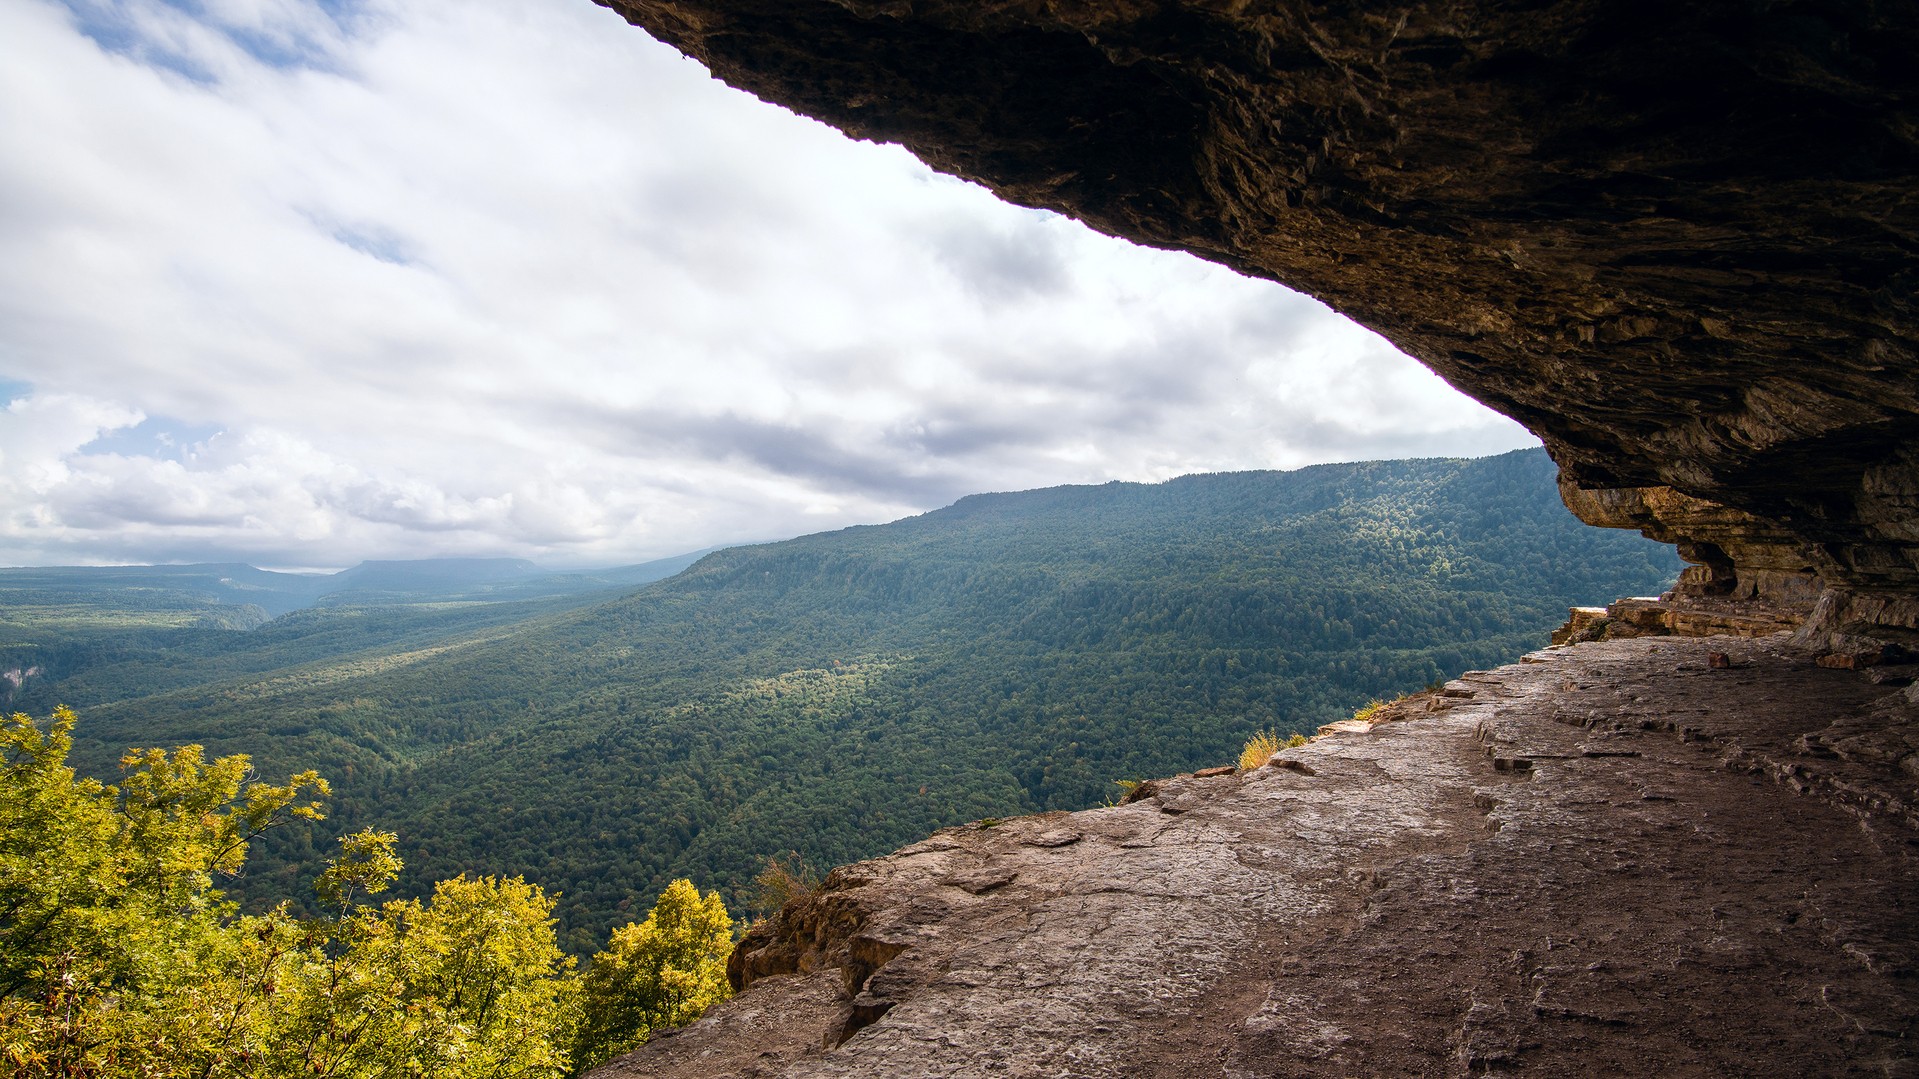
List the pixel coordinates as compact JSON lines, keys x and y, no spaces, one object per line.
{"x":1613,"y":859}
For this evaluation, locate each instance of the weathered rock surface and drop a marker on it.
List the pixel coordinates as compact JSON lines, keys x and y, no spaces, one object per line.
{"x":1676,"y":240}
{"x":1686,"y":616}
{"x":1656,"y":856}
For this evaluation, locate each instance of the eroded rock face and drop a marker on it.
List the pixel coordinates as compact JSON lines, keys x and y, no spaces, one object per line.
{"x":1675,"y":240}
{"x":1658,"y":856}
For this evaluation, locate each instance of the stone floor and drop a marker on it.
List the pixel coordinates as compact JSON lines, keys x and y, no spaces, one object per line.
{"x":1659,"y":856}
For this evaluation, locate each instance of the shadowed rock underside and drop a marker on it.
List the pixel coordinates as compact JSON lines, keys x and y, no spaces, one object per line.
{"x":1675,"y":240}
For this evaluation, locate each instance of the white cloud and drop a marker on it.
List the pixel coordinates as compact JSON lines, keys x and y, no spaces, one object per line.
{"x":509,"y":277}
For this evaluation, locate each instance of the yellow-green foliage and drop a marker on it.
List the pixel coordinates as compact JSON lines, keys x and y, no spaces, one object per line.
{"x":119,"y":958}
{"x":468,"y":983}
{"x":366,"y":864}
{"x":661,"y":972}
{"x":1370,"y":711}
{"x":1259,"y":749}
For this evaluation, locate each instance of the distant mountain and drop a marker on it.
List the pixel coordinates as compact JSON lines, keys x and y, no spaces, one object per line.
{"x":647,"y":572}
{"x":840,"y":694}
{"x":429,"y":575}
{"x":140,"y":594}
{"x":155,"y":589}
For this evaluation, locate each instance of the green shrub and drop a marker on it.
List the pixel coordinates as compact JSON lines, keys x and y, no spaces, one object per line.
{"x":781,"y":881}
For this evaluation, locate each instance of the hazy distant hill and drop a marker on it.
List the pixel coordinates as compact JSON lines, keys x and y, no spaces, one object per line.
{"x":89,"y":635}
{"x":841,"y":694}
{"x":141,"y":593}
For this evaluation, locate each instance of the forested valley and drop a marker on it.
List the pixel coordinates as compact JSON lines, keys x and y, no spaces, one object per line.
{"x":838,"y":695}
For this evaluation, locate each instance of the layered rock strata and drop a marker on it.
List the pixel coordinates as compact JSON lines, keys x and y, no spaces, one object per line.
{"x":1675,"y":240}
{"x":1675,"y":616}
{"x":1652,"y":856}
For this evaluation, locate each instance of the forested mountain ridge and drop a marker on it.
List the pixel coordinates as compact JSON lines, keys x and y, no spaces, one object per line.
{"x":840,"y":694}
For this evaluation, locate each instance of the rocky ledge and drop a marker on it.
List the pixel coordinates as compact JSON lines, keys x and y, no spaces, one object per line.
{"x":1676,"y":240}
{"x":1650,"y":856}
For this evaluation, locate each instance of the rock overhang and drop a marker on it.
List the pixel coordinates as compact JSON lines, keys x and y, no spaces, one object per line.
{"x":1676,"y":241}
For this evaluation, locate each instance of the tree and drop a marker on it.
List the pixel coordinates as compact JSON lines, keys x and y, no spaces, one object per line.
{"x":466,"y":985}
{"x":663,"y":971}
{"x":119,"y":958}
{"x":117,"y":954}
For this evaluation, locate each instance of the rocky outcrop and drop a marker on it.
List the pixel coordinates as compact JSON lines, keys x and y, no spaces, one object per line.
{"x":1675,"y":615}
{"x":1676,"y":240}
{"x":1658,"y":856}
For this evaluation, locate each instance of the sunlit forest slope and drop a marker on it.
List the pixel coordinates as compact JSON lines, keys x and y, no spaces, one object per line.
{"x":841,"y":694}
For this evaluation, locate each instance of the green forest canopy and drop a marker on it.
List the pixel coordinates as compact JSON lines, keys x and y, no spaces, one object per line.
{"x":840,"y":694}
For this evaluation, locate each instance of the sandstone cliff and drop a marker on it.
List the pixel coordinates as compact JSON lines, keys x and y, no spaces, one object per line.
{"x":1676,"y":240}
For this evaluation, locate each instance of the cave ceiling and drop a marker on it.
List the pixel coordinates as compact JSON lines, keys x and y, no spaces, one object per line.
{"x":1676,"y":241}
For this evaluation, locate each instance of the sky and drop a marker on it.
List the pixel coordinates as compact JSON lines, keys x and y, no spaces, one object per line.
{"x":302,"y":283}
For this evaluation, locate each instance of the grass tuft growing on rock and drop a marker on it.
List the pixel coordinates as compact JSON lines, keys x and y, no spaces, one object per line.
{"x":1259,"y":749}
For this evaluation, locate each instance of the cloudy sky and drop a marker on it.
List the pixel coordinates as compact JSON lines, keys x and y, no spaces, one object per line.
{"x":301,"y":283}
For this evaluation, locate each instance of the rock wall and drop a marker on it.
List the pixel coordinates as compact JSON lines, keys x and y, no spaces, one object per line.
{"x":1676,"y":240}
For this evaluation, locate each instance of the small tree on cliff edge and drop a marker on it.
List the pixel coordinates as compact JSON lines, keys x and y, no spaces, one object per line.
{"x":660,"y":972}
